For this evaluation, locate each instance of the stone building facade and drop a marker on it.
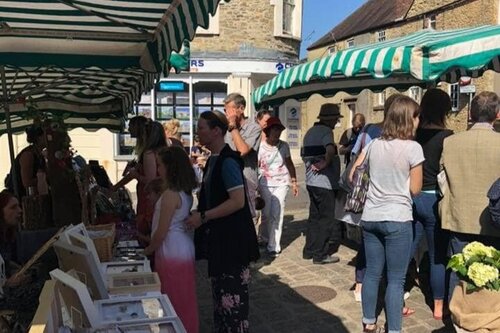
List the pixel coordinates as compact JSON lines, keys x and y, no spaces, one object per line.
{"x":436,"y":14}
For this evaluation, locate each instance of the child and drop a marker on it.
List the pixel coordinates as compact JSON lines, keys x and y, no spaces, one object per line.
{"x":171,"y":244}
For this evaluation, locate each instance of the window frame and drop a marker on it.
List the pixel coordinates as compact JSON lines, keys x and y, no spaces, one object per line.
{"x":381,"y":37}
{"x":288,"y":16}
{"x":430,"y":22}
{"x":296,"y":24}
{"x":332,"y":49}
{"x":350,"y":43}
{"x":415,"y":93}
{"x":454,"y":92}
{"x":381,"y":98}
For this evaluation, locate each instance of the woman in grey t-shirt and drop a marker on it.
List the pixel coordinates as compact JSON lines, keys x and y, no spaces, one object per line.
{"x":395,"y":162}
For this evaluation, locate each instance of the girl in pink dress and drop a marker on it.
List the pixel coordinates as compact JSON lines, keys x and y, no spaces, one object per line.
{"x":171,"y":243}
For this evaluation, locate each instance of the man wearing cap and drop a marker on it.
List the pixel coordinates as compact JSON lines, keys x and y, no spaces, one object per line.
{"x":322,"y":164}
{"x":243,"y":136}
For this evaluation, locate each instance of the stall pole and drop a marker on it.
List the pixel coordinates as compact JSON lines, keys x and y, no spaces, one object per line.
{"x":13,"y":170}
{"x":191,"y":110}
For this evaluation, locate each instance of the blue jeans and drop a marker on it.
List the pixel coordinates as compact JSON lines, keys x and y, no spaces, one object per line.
{"x":387,"y":244}
{"x":426,"y":220}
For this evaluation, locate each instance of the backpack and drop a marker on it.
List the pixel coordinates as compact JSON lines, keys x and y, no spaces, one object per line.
{"x":494,"y":204}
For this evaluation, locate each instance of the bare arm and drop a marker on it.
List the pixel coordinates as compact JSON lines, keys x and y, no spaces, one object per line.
{"x":239,"y":143}
{"x":344,"y":146}
{"x":293,"y":175}
{"x":331,"y":151}
{"x":149,"y":168}
{"x":235,"y":202}
{"x":416,"y":179}
{"x":169,"y":203}
{"x":124,"y":181}
{"x":358,"y":162}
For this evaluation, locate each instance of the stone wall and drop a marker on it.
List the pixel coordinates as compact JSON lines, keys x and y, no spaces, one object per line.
{"x":248,"y":24}
{"x":421,"y":6}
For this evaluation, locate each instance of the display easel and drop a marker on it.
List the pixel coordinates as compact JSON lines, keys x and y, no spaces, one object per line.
{"x":83,"y":313}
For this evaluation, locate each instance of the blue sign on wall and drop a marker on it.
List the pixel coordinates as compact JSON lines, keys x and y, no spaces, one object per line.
{"x":171,"y":86}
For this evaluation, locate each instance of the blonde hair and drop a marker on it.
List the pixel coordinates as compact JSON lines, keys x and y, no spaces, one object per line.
{"x":398,"y":122}
{"x":172,"y":128}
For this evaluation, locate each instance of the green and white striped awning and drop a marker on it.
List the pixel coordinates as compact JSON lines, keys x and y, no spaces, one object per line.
{"x":415,"y":60}
{"x":109,"y":122}
{"x":68,"y":54}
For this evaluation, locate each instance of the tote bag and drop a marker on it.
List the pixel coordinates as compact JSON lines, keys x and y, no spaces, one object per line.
{"x":360,"y":182}
{"x":344,"y":177}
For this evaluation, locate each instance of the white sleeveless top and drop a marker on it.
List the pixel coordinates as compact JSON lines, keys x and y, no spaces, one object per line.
{"x":178,"y":242}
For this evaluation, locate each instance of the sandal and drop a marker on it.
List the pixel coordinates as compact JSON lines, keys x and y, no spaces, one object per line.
{"x":407,"y":312}
{"x":376,"y":329}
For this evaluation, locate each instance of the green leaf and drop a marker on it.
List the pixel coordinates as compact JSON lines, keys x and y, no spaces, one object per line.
{"x":471,"y":288}
{"x":454,"y":263}
{"x":473,"y":259}
{"x":495,"y":285}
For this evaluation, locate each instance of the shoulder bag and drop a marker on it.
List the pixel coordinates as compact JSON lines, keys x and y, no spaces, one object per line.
{"x":344,"y":177}
{"x":360,"y":182}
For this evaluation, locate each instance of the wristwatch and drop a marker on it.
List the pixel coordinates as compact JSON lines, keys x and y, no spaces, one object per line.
{"x":203,"y":218}
{"x":231,"y":127}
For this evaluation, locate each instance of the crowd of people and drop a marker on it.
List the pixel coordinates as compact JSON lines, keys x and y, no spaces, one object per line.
{"x":408,"y":197}
{"x":236,"y":160}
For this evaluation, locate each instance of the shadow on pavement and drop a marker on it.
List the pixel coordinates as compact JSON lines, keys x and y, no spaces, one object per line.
{"x":274,"y":307}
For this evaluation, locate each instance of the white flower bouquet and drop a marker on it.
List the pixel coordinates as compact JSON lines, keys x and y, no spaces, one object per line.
{"x":478,"y":265}
{"x":475,"y":305}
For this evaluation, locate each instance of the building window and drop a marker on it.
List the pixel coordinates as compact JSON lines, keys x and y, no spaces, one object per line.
{"x":350,"y":43}
{"x":415,"y":93}
{"x":332,"y":49}
{"x":287,"y":18}
{"x":381,"y":35}
{"x":380,"y":98}
{"x":455,"y":96}
{"x":288,"y":8}
{"x":430,"y":22}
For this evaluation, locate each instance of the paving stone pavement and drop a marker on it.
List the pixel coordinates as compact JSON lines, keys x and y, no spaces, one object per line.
{"x":284,"y":297}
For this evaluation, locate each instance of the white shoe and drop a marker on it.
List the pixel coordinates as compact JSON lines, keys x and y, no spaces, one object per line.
{"x":357,"y":296}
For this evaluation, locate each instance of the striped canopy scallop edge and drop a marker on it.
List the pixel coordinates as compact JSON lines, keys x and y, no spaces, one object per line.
{"x":89,"y":67}
{"x":422,"y":57}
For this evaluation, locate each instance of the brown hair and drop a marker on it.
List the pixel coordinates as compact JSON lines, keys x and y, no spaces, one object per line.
{"x":5,"y":197}
{"x":262,"y":112}
{"x":398,"y":122}
{"x":179,"y":171}
{"x":216,"y":119}
{"x":141,"y":125}
{"x":388,"y":102}
{"x":484,"y":107}
{"x":6,"y":232}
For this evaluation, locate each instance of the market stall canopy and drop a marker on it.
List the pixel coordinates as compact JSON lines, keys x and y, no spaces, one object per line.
{"x":71,"y":54}
{"x":419,"y":59}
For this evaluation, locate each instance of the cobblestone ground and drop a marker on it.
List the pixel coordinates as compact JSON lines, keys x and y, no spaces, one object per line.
{"x":289,"y":294}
